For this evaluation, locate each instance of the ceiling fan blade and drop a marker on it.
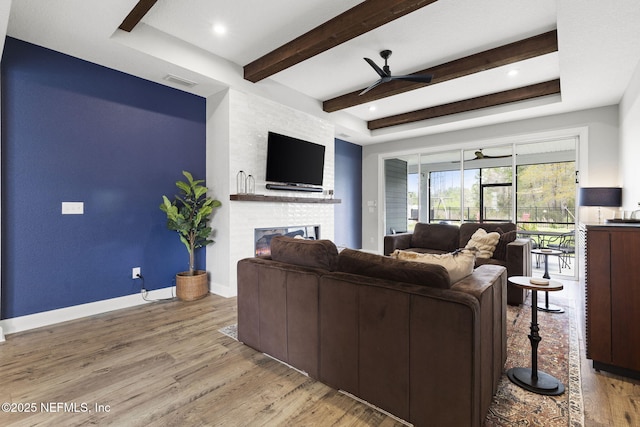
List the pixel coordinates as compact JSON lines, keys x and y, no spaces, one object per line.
{"x":424,"y":78}
{"x":497,"y":157}
{"x":375,"y":67}
{"x":379,"y":82}
{"x":385,"y":73}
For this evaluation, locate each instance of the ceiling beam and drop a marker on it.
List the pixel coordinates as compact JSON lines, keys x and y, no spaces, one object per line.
{"x":520,"y":94}
{"x":364,"y":17}
{"x":137,"y":13}
{"x":514,"y":52}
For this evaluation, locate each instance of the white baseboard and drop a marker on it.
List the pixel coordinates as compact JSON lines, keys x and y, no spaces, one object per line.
{"x":46,"y":318}
{"x":223,"y":291}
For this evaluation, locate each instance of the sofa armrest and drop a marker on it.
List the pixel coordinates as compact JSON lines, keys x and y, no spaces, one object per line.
{"x":518,"y":264}
{"x":519,"y":257}
{"x":278,"y":311}
{"x":396,"y":241}
{"x":488,"y":284}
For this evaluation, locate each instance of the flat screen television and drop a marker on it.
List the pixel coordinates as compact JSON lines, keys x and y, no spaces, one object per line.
{"x":294,"y":161}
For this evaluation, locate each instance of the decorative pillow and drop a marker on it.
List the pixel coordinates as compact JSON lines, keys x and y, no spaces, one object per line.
{"x":459,"y":264}
{"x":484,"y":242}
{"x":501,"y":248}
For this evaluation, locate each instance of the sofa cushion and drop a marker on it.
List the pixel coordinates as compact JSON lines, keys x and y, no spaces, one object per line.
{"x":306,"y":253}
{"x":372,"y":265}
{"x":443,"y":237}
{"x":484,"y":242}
{"x":459,"y":264}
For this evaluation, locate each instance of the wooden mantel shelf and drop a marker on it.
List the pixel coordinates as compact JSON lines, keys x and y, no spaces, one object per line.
{"x":280,"y":199}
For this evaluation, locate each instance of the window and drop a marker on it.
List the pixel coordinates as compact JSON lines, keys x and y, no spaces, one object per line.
{"x":477,"y":185}
{"x":444,"y":196}
{"x":546,"y":196}
{"x":458,"y":186}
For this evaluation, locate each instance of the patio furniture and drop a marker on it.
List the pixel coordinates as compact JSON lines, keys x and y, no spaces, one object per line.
{"x":567,"y":246}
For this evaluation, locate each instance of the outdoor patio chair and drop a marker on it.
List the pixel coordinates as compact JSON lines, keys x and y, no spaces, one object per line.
{"x":567,"y":246}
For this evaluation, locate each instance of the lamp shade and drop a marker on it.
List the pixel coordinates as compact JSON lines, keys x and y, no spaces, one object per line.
{"x":600,"y":196}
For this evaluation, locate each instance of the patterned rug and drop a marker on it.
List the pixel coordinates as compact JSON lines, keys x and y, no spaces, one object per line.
{"x":230,"y":331}
{"x":558,"y":355}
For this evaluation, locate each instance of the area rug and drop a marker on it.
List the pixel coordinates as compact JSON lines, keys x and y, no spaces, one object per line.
{"x":231,"y":331}
{"x":558,"y":355}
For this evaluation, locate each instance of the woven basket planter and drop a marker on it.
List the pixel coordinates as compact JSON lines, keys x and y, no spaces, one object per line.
{"x":192,"y":287}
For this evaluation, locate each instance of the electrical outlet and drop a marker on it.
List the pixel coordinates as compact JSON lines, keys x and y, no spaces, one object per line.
{"x":72,"y":208}
{"x":135,"y":272}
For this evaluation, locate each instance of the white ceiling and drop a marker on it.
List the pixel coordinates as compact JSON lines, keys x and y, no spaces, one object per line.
{"x":598,"y":50}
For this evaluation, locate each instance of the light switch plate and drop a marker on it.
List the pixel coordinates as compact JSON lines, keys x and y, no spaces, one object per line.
{"x":72,"y":208}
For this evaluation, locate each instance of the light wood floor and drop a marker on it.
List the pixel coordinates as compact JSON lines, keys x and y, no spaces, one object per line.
{"x":163,"y":364}
{"x":166,"y":364}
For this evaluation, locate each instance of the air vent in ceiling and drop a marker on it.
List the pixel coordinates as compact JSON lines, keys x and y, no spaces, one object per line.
{"x":179,"y":80}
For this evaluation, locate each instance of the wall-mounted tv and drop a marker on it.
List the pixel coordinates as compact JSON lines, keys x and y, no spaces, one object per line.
{"x":294,"y":161}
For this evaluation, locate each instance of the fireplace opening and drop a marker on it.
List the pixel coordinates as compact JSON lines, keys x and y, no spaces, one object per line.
{"x":263,"y":236}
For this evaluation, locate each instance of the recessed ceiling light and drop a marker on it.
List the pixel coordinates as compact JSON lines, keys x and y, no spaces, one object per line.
{"x":372,"y":108}
{"x":219,"y":29}
{"x":513,"y":73}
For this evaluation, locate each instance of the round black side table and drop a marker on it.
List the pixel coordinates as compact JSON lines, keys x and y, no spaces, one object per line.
{"x":531,"y":378}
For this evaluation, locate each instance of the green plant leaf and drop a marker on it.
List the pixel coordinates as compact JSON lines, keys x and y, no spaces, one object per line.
{"x":199,"y":191}
{"x":184,"y":187}
{"x":165,"y":204}
{"x":186,"y":243}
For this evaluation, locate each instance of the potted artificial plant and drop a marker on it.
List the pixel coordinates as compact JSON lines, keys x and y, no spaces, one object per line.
{"x":189,"y":215}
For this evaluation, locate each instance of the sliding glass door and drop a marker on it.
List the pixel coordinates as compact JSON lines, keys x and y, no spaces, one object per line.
{"x":487,"y":188}
{"x":495,"y":202}
{"x":441,"y":187}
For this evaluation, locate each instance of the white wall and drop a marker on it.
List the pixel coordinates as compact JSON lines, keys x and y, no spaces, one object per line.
{"x":600,"y":162}
{"x":630,"y":144}
{"x":237,"y":127}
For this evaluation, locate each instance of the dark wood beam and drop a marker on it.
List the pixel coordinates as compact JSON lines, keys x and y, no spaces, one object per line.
{"x":492,"y":100}
{"x":514,"y":52}
{"x":356,"y":21}
{"x":136,"y":14}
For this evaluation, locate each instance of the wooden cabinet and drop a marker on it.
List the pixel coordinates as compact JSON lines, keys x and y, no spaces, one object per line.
{"x":613,"y":298}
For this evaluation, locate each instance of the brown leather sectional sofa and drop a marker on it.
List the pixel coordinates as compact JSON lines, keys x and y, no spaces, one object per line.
{"x":394,"y":333}
{"x":512,"y":253}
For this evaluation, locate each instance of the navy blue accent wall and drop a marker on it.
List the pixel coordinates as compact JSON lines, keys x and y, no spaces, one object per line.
{"x":76,"y":131}
{"x":348,"y":183}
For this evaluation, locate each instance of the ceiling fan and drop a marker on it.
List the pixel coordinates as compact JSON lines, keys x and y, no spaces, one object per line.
{"x":385,"y":73}
{"x":479,"y":155}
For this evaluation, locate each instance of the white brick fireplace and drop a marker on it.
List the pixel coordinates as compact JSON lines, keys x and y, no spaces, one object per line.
{"x":237,"y":127}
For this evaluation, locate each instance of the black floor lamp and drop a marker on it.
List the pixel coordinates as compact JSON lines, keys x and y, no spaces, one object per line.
{"x":600,"y":196}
